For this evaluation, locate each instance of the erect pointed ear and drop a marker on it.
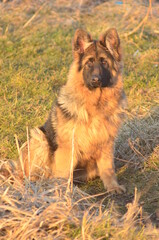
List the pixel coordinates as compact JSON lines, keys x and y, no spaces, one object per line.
{"x":110,"y":40}
{"x":81,"y":41}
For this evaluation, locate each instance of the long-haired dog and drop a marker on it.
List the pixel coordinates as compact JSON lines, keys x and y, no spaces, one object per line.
{"x":89,"y":110}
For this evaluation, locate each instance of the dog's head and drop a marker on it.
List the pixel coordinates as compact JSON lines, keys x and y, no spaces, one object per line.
{"x":99,"y":60}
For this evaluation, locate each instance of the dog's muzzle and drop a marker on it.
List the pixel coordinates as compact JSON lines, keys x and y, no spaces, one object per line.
{"x":96,"y":81}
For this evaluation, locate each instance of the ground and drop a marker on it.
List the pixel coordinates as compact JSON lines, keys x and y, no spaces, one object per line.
{"x":35,"y":55}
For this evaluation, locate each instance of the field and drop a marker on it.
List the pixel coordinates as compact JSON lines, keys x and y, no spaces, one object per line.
{"x":35,"y":55}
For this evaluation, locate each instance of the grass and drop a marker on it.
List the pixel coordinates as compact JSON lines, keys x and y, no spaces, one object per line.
{"x":35,"y":50}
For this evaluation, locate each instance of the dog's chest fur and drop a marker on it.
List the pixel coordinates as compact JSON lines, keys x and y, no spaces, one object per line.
{"x":91,"y":123}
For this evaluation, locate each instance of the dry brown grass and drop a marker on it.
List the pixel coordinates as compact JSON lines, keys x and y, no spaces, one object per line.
{"x":139,"y":137}
{"x":46,"y":210}
{"x":128,"y":17}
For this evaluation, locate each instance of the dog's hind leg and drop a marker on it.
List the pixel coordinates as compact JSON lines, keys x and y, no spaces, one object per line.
{"x":63,"y":160}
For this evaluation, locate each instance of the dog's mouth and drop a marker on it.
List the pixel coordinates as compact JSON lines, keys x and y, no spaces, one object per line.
{"x":96,"y":84}
{"x":106,"y":83}
{"x":92,"y":85}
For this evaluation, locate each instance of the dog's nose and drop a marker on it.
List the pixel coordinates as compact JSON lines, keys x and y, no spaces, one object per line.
{"x":95,"y":79}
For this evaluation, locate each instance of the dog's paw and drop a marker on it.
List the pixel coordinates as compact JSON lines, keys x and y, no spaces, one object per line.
{"x":119,"y":189}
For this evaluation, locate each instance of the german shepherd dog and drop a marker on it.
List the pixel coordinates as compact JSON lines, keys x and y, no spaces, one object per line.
{"x":86,"y":116}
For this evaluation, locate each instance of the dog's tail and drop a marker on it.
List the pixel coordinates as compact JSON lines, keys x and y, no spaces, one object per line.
{"x":36,"y":156}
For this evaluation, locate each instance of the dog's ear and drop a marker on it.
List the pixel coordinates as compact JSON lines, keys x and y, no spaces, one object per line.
{"x":81,"y":41}
{"x":110,"y":39}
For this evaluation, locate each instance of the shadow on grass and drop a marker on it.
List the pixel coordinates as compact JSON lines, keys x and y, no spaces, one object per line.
{"x":137,"y":165}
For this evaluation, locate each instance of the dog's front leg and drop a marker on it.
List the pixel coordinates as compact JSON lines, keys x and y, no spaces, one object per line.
{"x":107,"y":171}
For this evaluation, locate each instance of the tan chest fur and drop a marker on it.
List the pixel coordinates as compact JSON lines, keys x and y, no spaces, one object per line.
{"x":90,"y":130}
{"x":96,"y":115}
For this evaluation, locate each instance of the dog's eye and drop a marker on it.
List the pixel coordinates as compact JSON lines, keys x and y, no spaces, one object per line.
{"x":104,"y":61}
{"x":90,"y":62}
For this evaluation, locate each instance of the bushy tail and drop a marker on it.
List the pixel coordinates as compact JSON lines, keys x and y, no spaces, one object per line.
{"x":36,"y":155}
